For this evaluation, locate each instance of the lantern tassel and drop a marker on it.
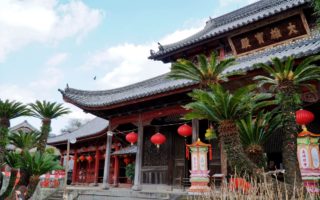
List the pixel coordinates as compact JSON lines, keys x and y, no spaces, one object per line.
{"x":210,"y":153}
{"x":187,"y":152}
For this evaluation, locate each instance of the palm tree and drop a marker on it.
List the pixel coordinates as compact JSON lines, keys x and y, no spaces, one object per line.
{"x":13,"y":160}
{"x":225,"y":108}
{"x":24,"y":140}
{"x":8,"y":110}
{"x":286,"y":81}
{"x":46,"y":111}
{"x":206,"y":71}
{"x":38,"y":164}
{"x":254,"y":132}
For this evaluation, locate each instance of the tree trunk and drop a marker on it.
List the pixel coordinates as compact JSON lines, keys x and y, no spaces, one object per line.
{"x":255,"y":154}
{"x":236,"y":156}
{"x":45,"y":130}
{"x":289,"y":144}
{"x":33,"y":183}
{"x":12,"y":180}
{"x":24,"y":178}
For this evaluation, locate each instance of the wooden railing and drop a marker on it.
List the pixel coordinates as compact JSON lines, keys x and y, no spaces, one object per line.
{"x":155,"y":175}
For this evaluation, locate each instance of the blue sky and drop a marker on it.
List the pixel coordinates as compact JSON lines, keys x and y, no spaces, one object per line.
{"x":45,"y":44}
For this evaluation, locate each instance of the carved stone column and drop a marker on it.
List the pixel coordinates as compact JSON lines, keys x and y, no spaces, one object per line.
{"x":138,"y":164}
{"x":106,"y":171}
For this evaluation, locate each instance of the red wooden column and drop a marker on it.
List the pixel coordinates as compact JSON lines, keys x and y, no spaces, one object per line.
{"x":116,"y":168}
{"x":96,"y":166}
{"x":75,"y":166}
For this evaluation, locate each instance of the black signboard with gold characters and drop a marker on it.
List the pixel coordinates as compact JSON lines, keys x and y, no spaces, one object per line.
{"x":279,"y":31}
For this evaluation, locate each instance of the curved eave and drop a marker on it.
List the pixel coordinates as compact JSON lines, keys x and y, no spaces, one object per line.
{"x":81,"y":139}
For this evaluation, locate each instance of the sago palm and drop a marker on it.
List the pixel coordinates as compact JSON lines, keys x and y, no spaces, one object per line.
{"x":285,"y":80}
{"x":206,"y":71}
{"x":13,"y":160}
{"x":38,"y":164}
{"x":24,"y":140}
{"x":46,"y":111}
{"x":254,"y":132}
{"x":225,"y":108}
{"x":8,"y":110}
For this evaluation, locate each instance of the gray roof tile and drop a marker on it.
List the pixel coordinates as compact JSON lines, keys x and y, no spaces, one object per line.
{"x":233,"y":20}
{"x":161,"y":84}
{"x":92,"y":127}
{"x":127,"y":150}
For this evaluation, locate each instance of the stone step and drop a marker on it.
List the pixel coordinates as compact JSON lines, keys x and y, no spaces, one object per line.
{"x":58,"y":195}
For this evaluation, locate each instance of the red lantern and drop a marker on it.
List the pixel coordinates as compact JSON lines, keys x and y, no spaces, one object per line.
{"x":82,"y":158}
{"x":89,"y":158}
{"x":132,"y":137}
{"x":126,"y":160}
{"x":158,"y":139}
{"x":185,"y":130}
{"x":304,"y":117}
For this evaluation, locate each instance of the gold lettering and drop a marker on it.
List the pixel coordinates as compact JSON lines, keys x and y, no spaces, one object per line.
{"x":245,"y":43}
{"x":259,"y":37}
{"x":275,"y":33}
{"x":292,"y":29}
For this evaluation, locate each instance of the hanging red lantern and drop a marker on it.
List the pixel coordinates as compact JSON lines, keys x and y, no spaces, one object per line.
{"x":304,"y":117}
{"x":126,"y":160}
{"x":132,"y":137}
{"x":82,"y":158}
{"x":185,"y":130}
{"x":89,"y":158}
{"x":158,"y":139}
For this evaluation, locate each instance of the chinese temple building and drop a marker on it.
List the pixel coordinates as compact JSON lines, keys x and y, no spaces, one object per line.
{"x":252,"y":34}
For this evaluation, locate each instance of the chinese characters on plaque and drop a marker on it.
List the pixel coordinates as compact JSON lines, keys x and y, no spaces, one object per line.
{"x":276,"y":32}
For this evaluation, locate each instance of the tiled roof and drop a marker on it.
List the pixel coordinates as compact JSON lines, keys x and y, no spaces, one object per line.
{"x":25,"y":125}
{"x":161,"y":84}
{"x":127,"y":150}
{"x":92,"y":127}
{"x":233,"y":20}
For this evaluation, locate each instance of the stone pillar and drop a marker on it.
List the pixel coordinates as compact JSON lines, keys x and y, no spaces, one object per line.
{"x":195,"y":130}
{"x":75,"y":165}
{"x":106,"y":170}
{"x":96,"y":166}
{"x":116,"y":169}
{"x":138,"y":164}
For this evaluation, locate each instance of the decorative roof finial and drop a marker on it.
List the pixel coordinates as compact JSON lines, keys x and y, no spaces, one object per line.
{"x":160,"y":47}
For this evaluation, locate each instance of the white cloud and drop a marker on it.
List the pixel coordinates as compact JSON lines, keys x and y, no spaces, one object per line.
{"x":57,"y":59}
{"x":128,"y":63}
{"x":44,"y":21}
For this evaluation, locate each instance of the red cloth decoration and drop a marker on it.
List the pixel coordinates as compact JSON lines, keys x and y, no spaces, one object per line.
{"x":304,"y":117}
{"x":158,"y":139}
{"x":210,"y":153}
{"x":185,"y":130}
{"x":132,"y":137}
